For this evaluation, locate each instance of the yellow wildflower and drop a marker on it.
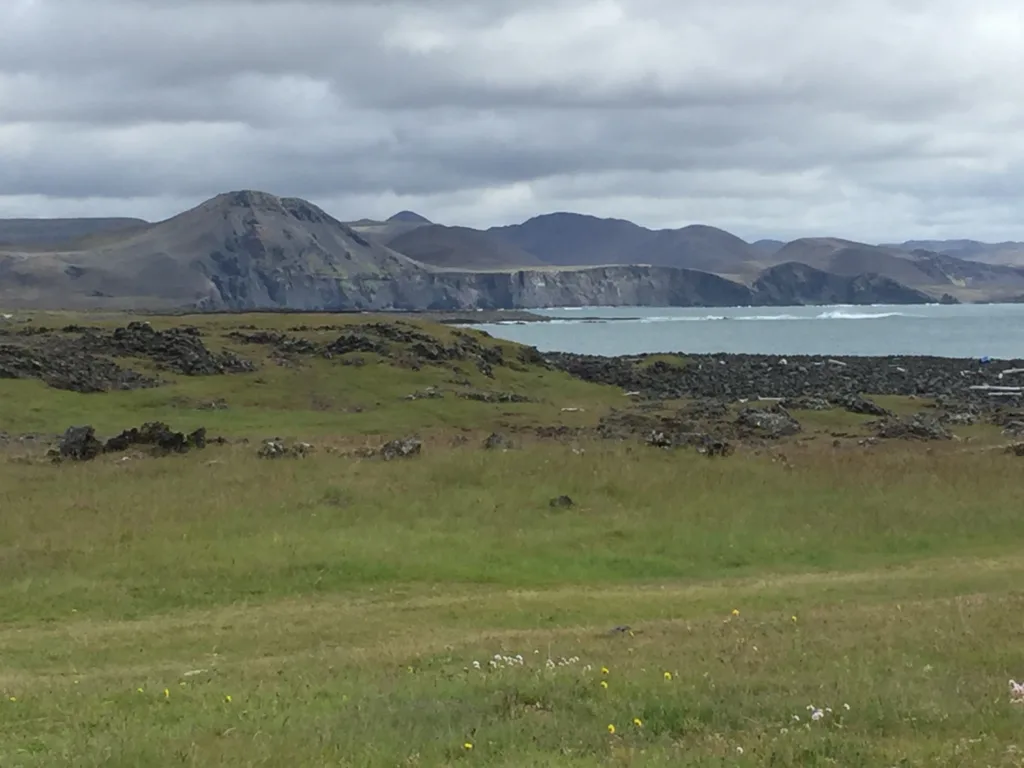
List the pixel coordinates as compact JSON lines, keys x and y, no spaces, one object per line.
{"x":167,"y":693}
{"x":735,"y":612}
{"x":611,"y":728}
{"x":467,"y":746}
{"x":668,"y":675}
{"x":793,"y":618}
{"x":638,"y":722}
{"x":228,"y":698}
{"x":604,"y":670}
{"x":604,"y":683}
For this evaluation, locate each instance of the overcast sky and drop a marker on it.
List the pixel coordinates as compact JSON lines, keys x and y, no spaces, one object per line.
{"x":871,"y":119}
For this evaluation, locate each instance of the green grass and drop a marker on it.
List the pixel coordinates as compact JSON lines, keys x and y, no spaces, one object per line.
{"x":341,"y":602}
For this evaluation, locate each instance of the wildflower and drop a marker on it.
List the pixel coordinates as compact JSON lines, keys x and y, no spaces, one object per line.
{"x":476,"y":665}
{"x":468,"y":746}
{"x":140,"y":690}
{"x":735,"y":612}
{"x":228,"y":698}
{"x":611,"y":728}
{"x":668,"y":675}
{"x":604,"y":670}
{"x":167,"y":693}
{"x":846,"y":707}
{"x":816,"y":715}
{"x":638,"y":722}
{"x":604,"y":683}
{"x":793,"y":618}
{"x":14,"y":698}
{"x":739,"y":750}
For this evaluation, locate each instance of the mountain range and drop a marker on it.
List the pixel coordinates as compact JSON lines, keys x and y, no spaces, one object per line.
{"x":251,"y":250}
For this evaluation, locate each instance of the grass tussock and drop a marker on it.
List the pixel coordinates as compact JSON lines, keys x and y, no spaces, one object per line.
{"x":797,"y":605}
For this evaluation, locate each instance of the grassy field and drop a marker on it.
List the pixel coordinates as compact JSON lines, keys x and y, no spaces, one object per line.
{"x":803,"y":605}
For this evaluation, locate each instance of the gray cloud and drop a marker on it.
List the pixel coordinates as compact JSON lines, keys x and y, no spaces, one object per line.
{"x":872,"y":119}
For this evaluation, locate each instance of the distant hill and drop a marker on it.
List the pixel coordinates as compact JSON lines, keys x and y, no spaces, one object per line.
{"x":54,"y":231}
{"x":792,"y":283}
{"x":928,"y":271}
{"x":570,"y":239}
{"x":766,"y":248}
{"x":240,"y":249}
{"x":409,"y":217}
{"x":461,"y":248}
{"x":1010,"y":253}
{"x":250,"y":250}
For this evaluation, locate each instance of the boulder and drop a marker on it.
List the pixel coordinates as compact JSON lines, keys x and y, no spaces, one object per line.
{"x":79,"y":444}
{"x":400,"y":449}
{"x":917,"y":427}
{"x":772,"y":423}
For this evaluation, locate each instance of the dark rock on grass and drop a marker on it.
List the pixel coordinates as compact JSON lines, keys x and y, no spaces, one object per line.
{"x":861,"y":404}
{"x":498,"y":441}
{"x":63,"y":366}
{"x":81,"y":443}
{"x":400,"y":449}
{"x":561,"y":502}
{"x":917,"y":427}
{"x":159,"y":436}
{"x":706,"y":444}
{"x":771,"y":423}
{"x":276,"y":448}
{"x":429,"y":393}
{"x":496,"y":397}
{"x":178,"y":349}
{"x":1017,"y":449}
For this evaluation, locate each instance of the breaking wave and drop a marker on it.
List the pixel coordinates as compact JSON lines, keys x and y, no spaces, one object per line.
{"x":829,"y":315}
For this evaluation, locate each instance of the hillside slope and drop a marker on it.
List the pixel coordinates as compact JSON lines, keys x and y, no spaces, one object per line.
{"x":240,"y":249}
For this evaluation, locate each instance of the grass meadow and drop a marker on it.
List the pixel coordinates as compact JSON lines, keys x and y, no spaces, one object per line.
{"x":839,"y":607}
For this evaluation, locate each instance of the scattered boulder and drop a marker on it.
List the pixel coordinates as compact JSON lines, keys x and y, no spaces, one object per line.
{"x":498,"y":441}
{"x":79,"y":444}
{"x":429,"y":393}
{"x":772,"y":423}
{"x":561,"y":502}
{"x":1017,"y":449}
{"x":400,"y":449}
{"x":159,"y":436}
{"x":276,"y":448}
{"x":918,"y":427}
{"x":496,"y":397}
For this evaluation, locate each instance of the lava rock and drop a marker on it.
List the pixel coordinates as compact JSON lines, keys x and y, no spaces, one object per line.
{"x":772,"y":423}
{"x":401,"y":449}
{"x":918,"y":427}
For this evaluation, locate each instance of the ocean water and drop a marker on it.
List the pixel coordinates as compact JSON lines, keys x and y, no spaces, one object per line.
{"x":963,"y":330}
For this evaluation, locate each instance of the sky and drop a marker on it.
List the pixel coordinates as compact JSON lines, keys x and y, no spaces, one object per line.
{"x":876,"y":120}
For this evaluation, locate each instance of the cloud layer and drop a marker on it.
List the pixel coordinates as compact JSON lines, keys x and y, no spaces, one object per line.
{"x":871,"y":119}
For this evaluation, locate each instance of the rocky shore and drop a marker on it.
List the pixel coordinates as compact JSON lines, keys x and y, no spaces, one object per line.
{"x":977,"y":383}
